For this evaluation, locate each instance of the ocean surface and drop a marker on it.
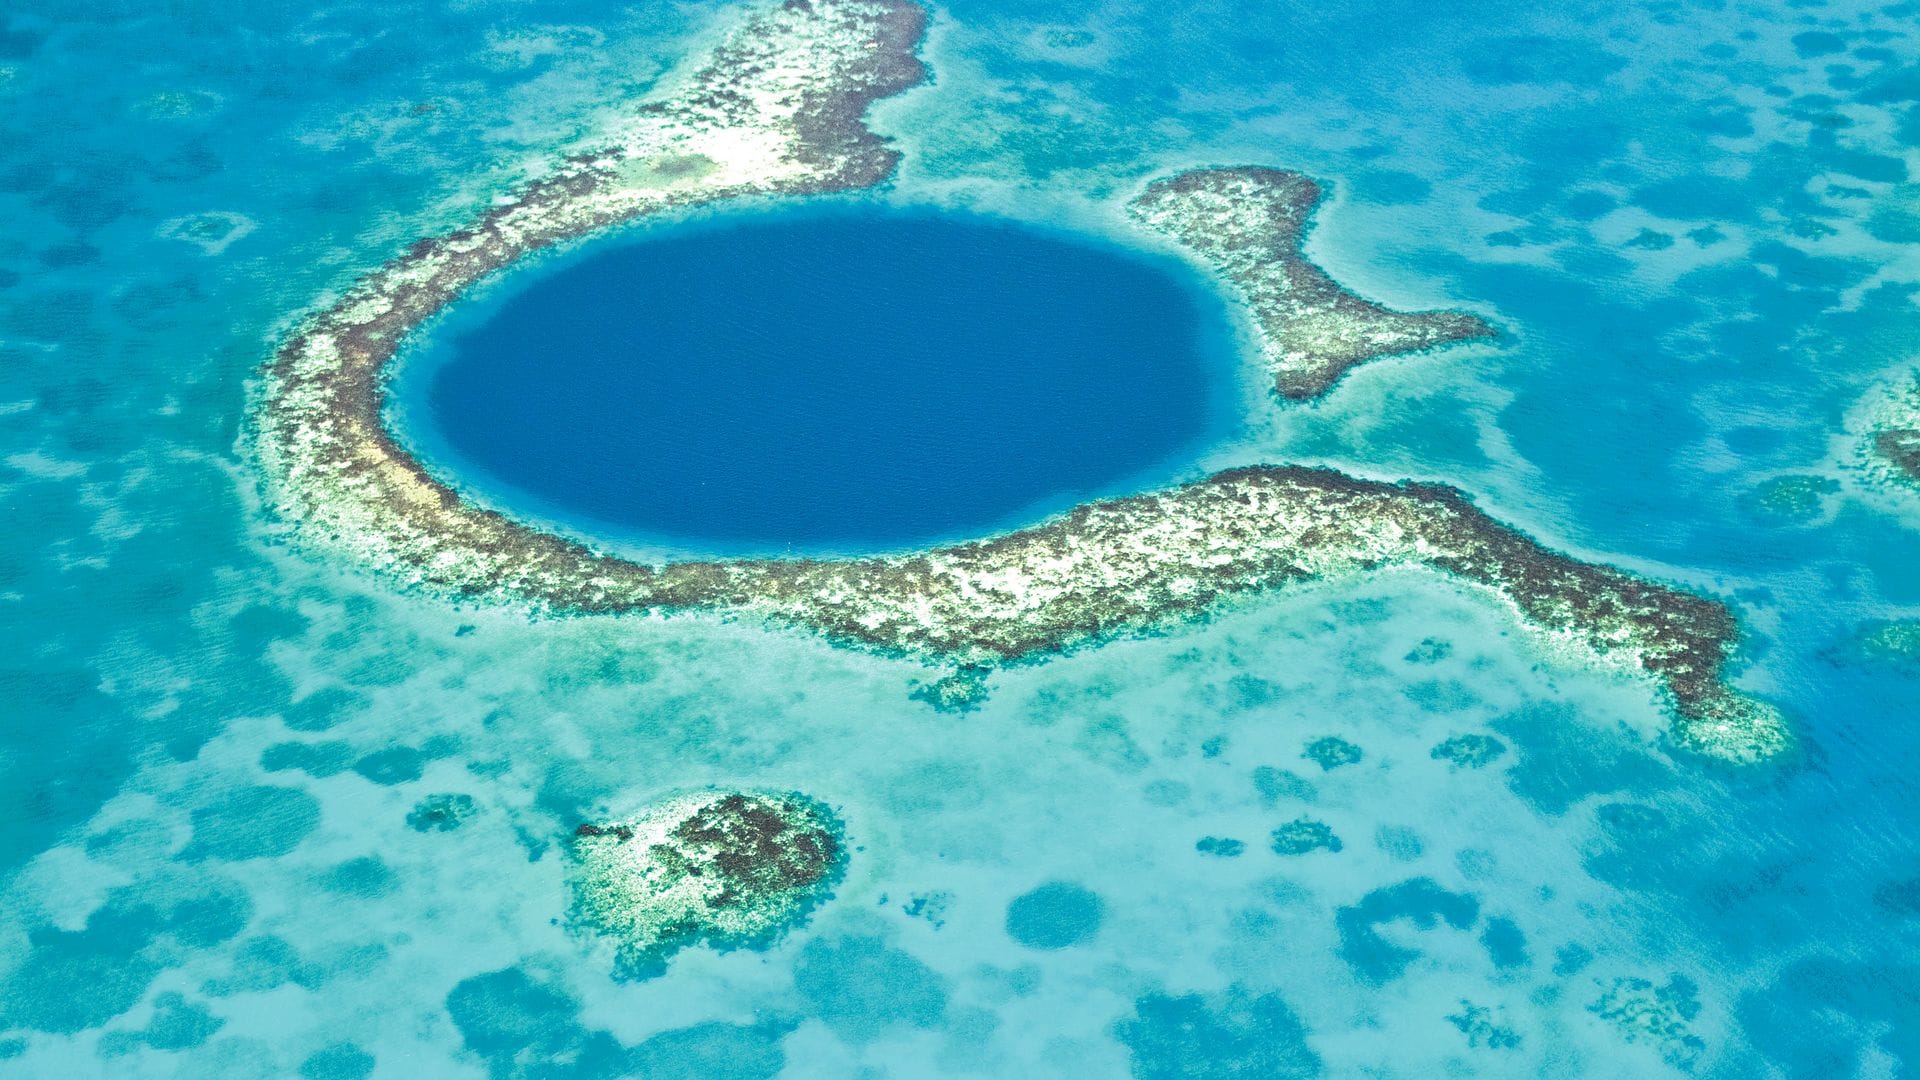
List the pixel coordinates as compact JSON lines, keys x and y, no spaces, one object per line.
{"x":1696,"y":225}
{"x":849,"y":381}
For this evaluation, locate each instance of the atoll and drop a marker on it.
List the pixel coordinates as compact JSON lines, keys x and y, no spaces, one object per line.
{"x":729,"y":869}
{"x":1247,"y":223}
{"x":778,"y":109}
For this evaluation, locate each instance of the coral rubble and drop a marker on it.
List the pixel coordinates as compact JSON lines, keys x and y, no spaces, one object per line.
{"x":729,"y":869}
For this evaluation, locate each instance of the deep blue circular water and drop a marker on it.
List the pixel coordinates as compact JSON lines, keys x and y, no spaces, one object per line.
{"x":854,"y":379}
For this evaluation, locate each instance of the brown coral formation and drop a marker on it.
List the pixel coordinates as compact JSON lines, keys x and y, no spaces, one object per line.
{"x":733,"y":869}
{"x":1891,"y":448}
{"x":1900,"y":448}
{"x":1247,"y":222}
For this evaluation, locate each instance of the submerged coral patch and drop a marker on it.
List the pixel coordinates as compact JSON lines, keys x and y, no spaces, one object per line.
{"x":1303,"y":835}
{"x":1659,"y":1015}
{"x":1331,"y":751}
{"x":1054,"y":916}
{"x":1472,"y":750}
{"x":728,"y":869}
{"x":778,"y":109}
{"x":1234,"y":1033}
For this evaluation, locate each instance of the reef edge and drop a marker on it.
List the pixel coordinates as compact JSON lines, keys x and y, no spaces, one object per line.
{"x":779,"y":109}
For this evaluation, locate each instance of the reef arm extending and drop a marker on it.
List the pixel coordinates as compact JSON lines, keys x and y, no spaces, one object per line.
{"x":1248,"y":222}
{"x":1111,"y":566}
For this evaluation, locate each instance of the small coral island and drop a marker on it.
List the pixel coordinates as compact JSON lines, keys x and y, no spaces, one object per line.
{"x":729,"y":869}
{"x":779,"y":108}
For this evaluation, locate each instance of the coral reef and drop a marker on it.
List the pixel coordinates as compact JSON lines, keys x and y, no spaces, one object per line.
{"x":1247,"y":222}
{"x":1901,"y":449}
{"x":1220,"y":847}
{"x":1661,"y":1016}
{"x":1893,"y":645}
{"x":441,"y":813}
{"x":1302,"y":835}
{"x":963,"y":691}
{"x":1331,"y":751}
{"x":778,"y":109}
{"x":1483,"y":1027}
{"x":775,"y":110}
{"x":1894,"y":441}
{"x":1794,"y":499}
{"x":1888,"y":431}
{"x":1470,"y":751}
{"x":730,"y":869}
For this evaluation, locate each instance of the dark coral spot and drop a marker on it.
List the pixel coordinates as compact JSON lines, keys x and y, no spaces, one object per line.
{"x":1233,"y":1034}
{"x":1331,"y":751}
{"x":1420,"y":900}
{"x":1054,"y":916}
{"x":394,"y":765}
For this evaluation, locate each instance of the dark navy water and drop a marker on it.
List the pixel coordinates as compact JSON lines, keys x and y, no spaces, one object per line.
{"x":844,"y":380}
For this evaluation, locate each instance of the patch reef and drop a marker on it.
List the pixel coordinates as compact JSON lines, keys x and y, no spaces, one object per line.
{"x":1895,"y":435}
{"x":1247,"y":223}
{"x":729,"y":869}
{"x":778,"y":109}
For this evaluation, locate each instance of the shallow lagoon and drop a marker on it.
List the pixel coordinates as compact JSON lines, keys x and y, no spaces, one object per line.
{"x":848,"y":379}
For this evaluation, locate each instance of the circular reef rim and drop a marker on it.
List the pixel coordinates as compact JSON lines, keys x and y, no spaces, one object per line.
{"x":1198,"y":368}
{"x":778,"y":109}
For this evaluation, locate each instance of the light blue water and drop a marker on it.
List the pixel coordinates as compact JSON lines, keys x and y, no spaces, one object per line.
{"x":1689,"y":218}
{"x":853,"y":380}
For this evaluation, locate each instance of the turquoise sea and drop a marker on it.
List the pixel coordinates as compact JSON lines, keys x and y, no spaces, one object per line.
{"x":1697,"y":226}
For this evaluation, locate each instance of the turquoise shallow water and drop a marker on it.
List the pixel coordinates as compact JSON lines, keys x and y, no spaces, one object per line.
{"x":1695,"y":223}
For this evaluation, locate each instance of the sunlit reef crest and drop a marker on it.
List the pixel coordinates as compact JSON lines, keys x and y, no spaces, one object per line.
{"x":778,"y":108}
